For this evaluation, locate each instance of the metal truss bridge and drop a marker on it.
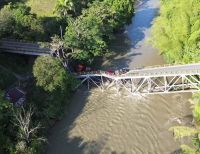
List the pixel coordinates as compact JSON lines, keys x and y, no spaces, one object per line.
{"x":150,"y":80}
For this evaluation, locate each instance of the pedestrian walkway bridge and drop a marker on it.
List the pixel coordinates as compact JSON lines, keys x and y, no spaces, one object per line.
{"x":149,"y":80}
{"x":24,"y":48}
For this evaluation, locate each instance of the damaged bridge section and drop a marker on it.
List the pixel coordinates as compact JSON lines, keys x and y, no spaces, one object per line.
{"x":150,"y":80}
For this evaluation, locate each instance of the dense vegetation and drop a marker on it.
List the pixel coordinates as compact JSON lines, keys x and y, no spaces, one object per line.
{"x":176,"y":33}
{"x":71,"y":7}
{"x":89,"y":34}
{"x":88,"y":27}
{"x":17,"y":21}
{"x":51,"y":75}
{"x":6,"y":133}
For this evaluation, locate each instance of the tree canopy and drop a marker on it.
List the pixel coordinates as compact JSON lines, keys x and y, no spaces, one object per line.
{"x":17,"y":22}
{"x":85,"y":35}
{"x":50,"y":74}
{"x":6,"y":22}
{"x":89,"y":34}
{"x":5,"y":122}
{"x":176,"y":32}
{"x":71,"y":7}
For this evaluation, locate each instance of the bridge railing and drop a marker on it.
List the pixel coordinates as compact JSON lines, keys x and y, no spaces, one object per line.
{"x":165,"y":65}
{"x":158,"y":66}
{"x":138,"y":74}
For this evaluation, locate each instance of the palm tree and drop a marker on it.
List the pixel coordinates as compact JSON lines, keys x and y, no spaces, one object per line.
{"x":65,"y":7}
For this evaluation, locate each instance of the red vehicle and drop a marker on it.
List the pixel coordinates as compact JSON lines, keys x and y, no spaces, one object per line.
{"x":110,"y":72}
{"x":80,"y":68}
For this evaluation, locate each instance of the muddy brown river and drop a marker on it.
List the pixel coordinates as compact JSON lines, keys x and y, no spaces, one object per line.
{"x":108,"y":123}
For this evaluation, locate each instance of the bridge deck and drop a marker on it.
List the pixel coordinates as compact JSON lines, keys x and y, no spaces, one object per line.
{"x":166,"y":79}
{"x":187,"y":69}
{"x":13,"y":46}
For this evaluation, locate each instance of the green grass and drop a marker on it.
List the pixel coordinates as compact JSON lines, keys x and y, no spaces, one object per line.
{"x":43,"y":8}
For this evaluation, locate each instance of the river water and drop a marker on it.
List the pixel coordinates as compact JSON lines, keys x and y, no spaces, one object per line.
{"x":104,"y":122}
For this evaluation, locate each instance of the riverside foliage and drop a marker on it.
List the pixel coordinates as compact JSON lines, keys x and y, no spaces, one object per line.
{"x":176,"y":32}
{"x":89,"y":34}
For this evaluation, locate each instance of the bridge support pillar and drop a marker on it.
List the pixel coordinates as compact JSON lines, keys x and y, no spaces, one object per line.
{"x":149,"y":85}
{"x":88,"y":83}
{"x":117,"y":86}
{"x":132,"y":85}
{"x":102,"y":82}
{"x":183,"y":80}
{"x":166,"y":83}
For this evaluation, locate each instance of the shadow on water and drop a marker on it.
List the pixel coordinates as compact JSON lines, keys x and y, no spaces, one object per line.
{"x":60,"y":141}
{"x":119,"y":48}
{"x":140,"y":23}
{"x":177,"y":151}
{"x":133,"y":38}
{"x":92,"y":147}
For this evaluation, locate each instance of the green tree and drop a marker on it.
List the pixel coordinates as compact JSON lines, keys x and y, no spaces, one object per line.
{"x":71,"y":7}
{"x":176,"y":32}
{"x":7,"y":129}
{"x":6,"y":22}
{"x":17,"y":22}
{"x":65,"y":7}
{"x":87,"y":35}
{"x":51,"y":75}
{"x":27,"y":26}
{"x":183,"y":131}
{"x":123,"y":9}
{"x":195,"y":101}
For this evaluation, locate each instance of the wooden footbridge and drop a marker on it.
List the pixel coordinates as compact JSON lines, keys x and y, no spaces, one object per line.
{"x":150,"y":80}
{"x":24,"y":48}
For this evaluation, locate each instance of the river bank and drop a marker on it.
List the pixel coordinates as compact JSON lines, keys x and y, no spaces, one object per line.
{"x":103,"y":122}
